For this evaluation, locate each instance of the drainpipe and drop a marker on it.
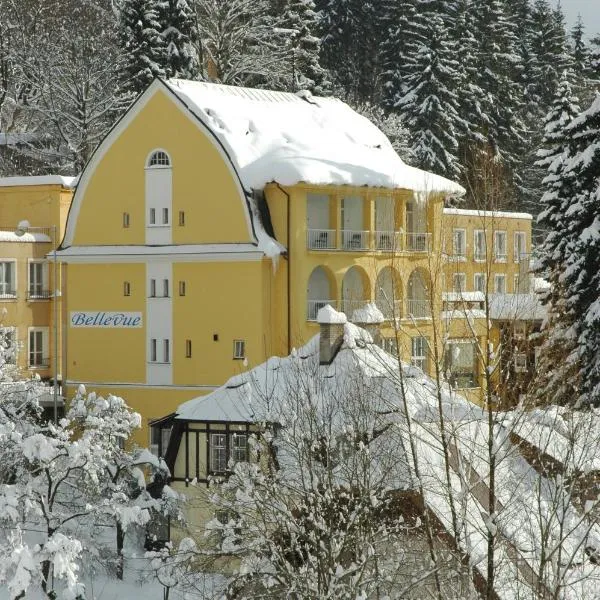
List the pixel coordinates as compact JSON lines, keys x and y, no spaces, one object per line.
{"x":289,"y":270}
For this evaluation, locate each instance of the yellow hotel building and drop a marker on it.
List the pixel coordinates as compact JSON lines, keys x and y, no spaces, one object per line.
{"x":39,"y":205}
{"x":213,"y":222}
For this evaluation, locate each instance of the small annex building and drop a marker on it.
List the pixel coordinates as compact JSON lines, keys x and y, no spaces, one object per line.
{"x":212,"y":224}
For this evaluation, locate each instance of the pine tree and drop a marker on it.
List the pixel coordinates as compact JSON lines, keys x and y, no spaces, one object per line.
{"x":179,"y":31}
{"x":430,"y":102}
{"x":142,"y":46}
{"x":580,"y":50}
{"x":300,"y":18}
{"x":580,"y":244}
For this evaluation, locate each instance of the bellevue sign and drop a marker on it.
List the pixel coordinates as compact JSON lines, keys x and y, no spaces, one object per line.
{"x":127,"y":320}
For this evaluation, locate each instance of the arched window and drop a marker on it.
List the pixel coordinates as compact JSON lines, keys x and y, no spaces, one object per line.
{"x":159,"y":159}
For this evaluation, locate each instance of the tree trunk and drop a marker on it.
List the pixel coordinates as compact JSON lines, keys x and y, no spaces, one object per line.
{"x":120,"y":540}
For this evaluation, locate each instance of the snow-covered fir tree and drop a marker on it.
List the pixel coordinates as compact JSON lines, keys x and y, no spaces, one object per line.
{"x":179,"y":30}
{"x":430,"y":102}
{"x":579,"y":49}
{"x":579,"y":250}
{"x":300,"y":22}
{"x":143,"y":48}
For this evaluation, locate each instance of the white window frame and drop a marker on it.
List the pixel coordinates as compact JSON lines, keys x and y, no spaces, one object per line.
{"x":44,"y":284}
{"x":483,"y":278}
{"x":499,"y":277}
{"x":501,"y":257}
{"x":239,"y":349}
{"x":462,"y":287}
{"x":4,"y":287}
{"x":520,"y":362}
{"x":162,"y":158}
{"x":218,"y":452}
{"x":459,"y":234}
{"x":45,"y":333}
{"x":419,"y":352}
{"x":239,"y":447}
{"x":477,"y":256}
{"x":517,"y":255}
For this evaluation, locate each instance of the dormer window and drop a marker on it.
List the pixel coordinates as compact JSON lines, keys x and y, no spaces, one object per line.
{"x":159,"y":159}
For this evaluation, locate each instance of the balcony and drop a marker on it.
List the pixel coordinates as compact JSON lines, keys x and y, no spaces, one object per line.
{"x":321,"y":239}
{"x":7,"y":293}
{"x":314,"y":306}
{"x":388,"y":241}
{"x":417,"y":242}
{"x":417,"y":309}
{"x":355,"y":240}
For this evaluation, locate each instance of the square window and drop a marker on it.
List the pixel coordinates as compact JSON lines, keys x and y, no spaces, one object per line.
{"x":218,"y":452}
{"x":239,"y":349}
{"x":182,"y":288}
{"x":500,"y":284}
{"x":500,"y":251}
{"x":38,"y":347}
{"x":459,"y":282}
{"x":239,"y":447}
{"x":8,"y":288}
{"x":459,"y":246}
{"x":521,"y":362}
{"x":480,"y":245}
{"x":479,"y":282}
{"x":38,"y":280}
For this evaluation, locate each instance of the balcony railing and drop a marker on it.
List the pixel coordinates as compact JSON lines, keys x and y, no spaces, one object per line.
{"x":417,"y":242}
{"x":7,"y":293}
{"x":314,"y":306}
{"x":355,"y":240}
{"x":38,"y":294}
{"x":418,"y":309}
{"x":388,"y":240}
{"x":321,"y":239}
{"x":388,"y":311}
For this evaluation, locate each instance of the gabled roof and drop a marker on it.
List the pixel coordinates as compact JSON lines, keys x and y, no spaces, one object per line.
{"x":292,"y":138}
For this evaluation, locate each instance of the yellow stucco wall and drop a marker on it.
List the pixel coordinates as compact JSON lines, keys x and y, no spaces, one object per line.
{"x":203,"y":183}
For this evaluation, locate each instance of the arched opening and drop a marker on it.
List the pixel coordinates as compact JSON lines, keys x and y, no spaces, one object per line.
{"x":319,"y":293}
{"x":388,"y":293}
{"x":158,"y":158}
{"x":417,"y":304}
{"x":355,"y":290}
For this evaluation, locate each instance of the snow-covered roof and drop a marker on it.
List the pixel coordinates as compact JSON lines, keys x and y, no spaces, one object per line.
{"x":510,"y":307}
{"x":487,"y":214}
{"x":28,"y":237}
{"x":328,"y":315}
{"x":66,"y":182}
{"x":292,"y":138}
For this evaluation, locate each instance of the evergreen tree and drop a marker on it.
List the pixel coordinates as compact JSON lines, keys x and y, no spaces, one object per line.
{"x":430,"y":102}
{"x":580,"y":50}
{"x":142,"y":46}
{"x":300,"y":19}
{"x":179,"y":31}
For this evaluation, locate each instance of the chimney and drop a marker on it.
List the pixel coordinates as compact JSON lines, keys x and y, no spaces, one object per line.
{"x":369,"y":318}
{"x":331,"y":324}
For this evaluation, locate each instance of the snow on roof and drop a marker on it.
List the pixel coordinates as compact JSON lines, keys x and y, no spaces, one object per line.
{"x":66,"y":182}
{"x":287,"y":138}
{"x":28,"y":237}
{"x":463,"y":297}
{"x":328,"y":314}
{"x":489,"y":214}
{"x":510,"y":307}
{"x":368,"y":314}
